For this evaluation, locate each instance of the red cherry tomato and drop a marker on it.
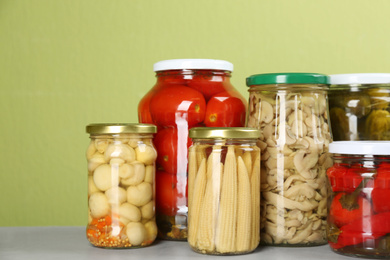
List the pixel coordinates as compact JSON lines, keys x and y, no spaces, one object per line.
{"x":177,"y":105}
{"x":342,"y":178}
{"x":381,"y":192}
{"x":346,"y":208}
{"x":225,"y":110}
{"x":169,"y":195}
{"x":166,"y":142}
{"x":208,"y":84}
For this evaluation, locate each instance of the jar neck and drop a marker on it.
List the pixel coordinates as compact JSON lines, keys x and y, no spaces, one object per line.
{"x":235,"y":141}
{"x":367,"y":161}
{"x":121,"y":136}
{"x":289,"y":87}
{"x":213,"y":75}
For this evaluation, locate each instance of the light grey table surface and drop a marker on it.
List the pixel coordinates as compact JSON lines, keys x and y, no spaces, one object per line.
{"x":70,"y":243}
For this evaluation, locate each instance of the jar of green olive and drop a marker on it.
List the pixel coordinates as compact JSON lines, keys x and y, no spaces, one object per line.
{"x":121,"y":172}
{"x":224,"y":190}
{"x":360,"y":106}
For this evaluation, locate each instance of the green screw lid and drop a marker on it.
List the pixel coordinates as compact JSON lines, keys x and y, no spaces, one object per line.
{"x":287,"y":78}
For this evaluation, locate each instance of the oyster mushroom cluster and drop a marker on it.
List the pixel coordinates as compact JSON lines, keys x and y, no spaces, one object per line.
{"x":294,"y":154}
{"x":120,"y":191}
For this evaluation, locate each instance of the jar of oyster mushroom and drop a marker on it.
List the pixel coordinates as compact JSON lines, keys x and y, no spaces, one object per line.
{"x":121,"y":169}
{"x":291,"y":109}
{"x":224,"y":190}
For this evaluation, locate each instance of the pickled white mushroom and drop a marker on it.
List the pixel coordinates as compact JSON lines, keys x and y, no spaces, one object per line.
{"x":136,"y":233}
{"x":96,"y":160}
{"x":104,"y":177}
{"x":98,"y":204}
{"x":145,"y":154}
{"x":147,"y":210}
{"x":91,"y":150}
{"x":133,"y":142}
{"x":130,"y":212}
{"x":91,"y":186}
{"x":119,"y":150}
{"x":140,"y":195}
{"x":149,"y":174}
{"x":137,"y":174}
{"x":116,"y":195}
{"x":101,"y":145}
{"x":125,"y":171}
{"x":117,"y":161}
{"x":295,"y":157}
{"x":151,"y":230}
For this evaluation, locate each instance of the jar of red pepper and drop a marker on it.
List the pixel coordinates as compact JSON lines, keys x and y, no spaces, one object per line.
{"x":188,"y":93}
{"x":359,"y":205}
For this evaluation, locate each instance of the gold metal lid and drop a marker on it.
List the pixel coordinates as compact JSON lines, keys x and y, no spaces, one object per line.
{"x":121,"y":128}
{"x":224,"y":132}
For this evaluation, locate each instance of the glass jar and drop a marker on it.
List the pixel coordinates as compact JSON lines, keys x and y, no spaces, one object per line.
{"x":359,"y":201}
{"x":360,"y":106}
{"x":121,"y":198}
{"x":187,"y":93}
{"x":291,"y":109}
{"x":224,"y":190}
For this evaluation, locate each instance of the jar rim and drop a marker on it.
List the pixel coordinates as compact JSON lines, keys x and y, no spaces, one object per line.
{"x":224,"y":132}
{"x":177,"y":64}
{"x":121,"y":128}
{"x":360,"y":147}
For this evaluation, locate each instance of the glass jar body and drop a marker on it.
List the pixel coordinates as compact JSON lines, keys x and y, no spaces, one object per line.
{"x":359,"y":205}
{"x":121,"y":190}
{"x":224,"y":196}
{"x":180,"y":100}
{"x":360,"y":112}
{"x":294,"y":154}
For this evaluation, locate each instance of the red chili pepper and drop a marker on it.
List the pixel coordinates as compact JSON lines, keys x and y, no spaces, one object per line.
{"x":342,"y":178}
{"x":347,"y":207}
{"x":381,"y":192}
{"x":360,"y":230}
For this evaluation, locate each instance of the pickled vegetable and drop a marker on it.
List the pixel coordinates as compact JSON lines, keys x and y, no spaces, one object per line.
{"x":361,"y":114}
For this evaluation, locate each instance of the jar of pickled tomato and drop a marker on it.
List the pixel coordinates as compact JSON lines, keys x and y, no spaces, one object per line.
{"x":188,"y":93}
{"x":359,"y":201}
{"x":224,"y":190}
{"x":121,"y":198}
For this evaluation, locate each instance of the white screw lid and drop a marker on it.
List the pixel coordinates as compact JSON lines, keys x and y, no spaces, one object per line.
{"x":360,"y":78}
{"x":360,"y":147}
{"x":179,"y":64}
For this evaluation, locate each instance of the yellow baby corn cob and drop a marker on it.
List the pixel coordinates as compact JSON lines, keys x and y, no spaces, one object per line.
{"x":227,"y":215}
{"x":197,"y":202}
{"x":244,"y":208}
{"x":247,"y":157}
{"x":192,"y":169}
{"x":209,"y":211}
{"x":255,"y":199}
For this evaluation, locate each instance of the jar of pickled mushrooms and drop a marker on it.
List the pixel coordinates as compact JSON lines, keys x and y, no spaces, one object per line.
{"x":291,"y":110}
{"x":121,"y":171}
{"x":224,"y":190}
{"x":360,"y":106}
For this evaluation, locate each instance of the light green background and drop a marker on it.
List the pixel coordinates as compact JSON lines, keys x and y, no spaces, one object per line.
{"x":67,"y":63}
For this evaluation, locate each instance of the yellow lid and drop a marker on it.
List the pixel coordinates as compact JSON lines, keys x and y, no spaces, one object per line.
{"x":224,"y":132}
